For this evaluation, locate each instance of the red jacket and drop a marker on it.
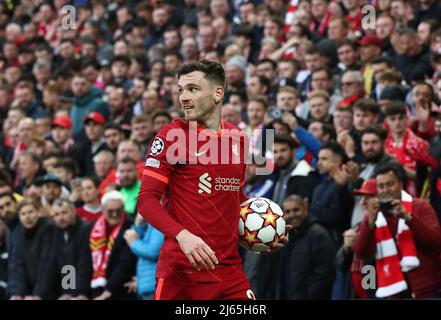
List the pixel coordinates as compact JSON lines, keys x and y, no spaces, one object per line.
{"x":424,"y":281}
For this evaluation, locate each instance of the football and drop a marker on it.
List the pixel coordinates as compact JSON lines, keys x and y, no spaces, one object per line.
{"x":261,"y":224}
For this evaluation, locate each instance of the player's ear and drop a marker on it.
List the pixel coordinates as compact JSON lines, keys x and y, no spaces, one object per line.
{"x":219,"y":94}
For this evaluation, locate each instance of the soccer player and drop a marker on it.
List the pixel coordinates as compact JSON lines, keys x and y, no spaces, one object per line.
{"x":202,"y":193}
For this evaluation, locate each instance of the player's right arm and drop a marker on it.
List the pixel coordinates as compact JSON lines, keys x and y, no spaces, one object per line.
{"x":155,"y":178}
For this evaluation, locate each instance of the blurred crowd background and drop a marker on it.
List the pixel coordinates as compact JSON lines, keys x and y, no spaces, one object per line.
{"x":352,"y":89}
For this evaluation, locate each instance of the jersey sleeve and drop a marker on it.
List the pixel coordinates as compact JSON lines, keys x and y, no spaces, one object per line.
{"x":155,"y":178}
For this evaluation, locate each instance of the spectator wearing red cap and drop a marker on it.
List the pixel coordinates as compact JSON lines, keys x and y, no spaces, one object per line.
{"x":84,"y":151}
{"x":403,"y":234}
{"x":349,"y":266}
{"x":61,"y":133}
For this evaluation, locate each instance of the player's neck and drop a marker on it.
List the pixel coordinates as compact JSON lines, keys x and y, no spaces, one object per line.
{"x":214,"y":123}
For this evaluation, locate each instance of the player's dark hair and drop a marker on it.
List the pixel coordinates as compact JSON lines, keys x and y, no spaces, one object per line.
{"x":213,"y":70}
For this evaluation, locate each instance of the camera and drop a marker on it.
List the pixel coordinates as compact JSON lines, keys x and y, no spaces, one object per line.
{"x":276,"y":113}
{"x":386,"y":205}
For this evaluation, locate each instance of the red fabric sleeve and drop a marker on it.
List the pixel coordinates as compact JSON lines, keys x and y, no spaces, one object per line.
{"x":365,"y":245}
{"x":150,"y":207}
{"x":425,"y":226}
{"x":156,"y":174}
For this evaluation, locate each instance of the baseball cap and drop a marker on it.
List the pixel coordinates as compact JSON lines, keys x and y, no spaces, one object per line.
{"x":62,"y":122}
{"x":371,"y":39}
{"x":49,"y":178}
{"x":95,"y":117}
{"x":368,"y":188}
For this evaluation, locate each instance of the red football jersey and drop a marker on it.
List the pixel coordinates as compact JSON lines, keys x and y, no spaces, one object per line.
{"x":89,"y":215}
{"x":201,"y":194}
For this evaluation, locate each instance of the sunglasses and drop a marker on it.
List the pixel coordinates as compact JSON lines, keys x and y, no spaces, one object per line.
{"x":114,"y":210}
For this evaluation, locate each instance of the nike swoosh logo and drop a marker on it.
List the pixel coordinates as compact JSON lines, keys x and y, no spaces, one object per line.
{"x":197,"y":154}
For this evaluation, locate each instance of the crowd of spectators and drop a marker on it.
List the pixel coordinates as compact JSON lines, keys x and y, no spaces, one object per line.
{"x":353,"y":96}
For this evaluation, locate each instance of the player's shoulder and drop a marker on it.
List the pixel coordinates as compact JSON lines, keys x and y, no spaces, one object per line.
{"x":229,"y":126}
{"x":175,"y":124}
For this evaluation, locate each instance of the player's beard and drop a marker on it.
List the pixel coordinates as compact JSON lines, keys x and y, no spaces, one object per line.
{"x":198,"y":114}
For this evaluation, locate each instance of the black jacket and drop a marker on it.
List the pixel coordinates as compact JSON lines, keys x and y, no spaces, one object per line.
{"x":302,"y":181}
{"x":307,"y":266}
{"x":120,"y":269}
{"x":82,"y":153}
{"x":65,"y":251}
{"x":304,"y":269}
{"x":3,"y":270}
{"x":332,"y":206}
{"x":30,"y":253}
{"x":11,"y":240}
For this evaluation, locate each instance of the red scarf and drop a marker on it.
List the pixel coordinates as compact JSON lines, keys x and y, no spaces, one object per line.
{"x":289,"y":17}
{"x":390,"y":262}
{"x":348,"y":102}
{"x":323,"y":24}
{"x":101,"y":245}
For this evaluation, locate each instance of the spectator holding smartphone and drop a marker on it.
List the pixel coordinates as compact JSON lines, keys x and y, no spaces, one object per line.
{"x":404,"y":235}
